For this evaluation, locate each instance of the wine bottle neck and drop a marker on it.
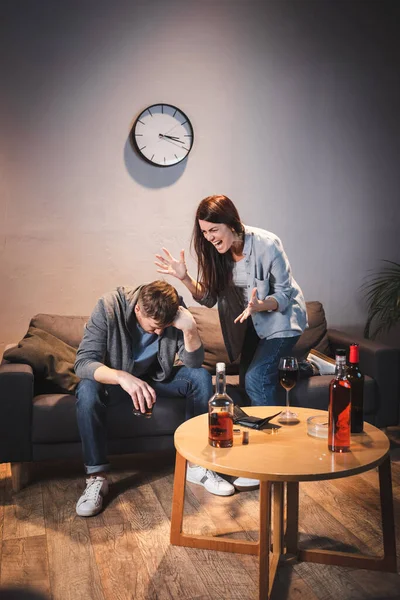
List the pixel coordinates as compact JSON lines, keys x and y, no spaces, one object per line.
{"x":340,"y":368}
{"x":220,"y":387}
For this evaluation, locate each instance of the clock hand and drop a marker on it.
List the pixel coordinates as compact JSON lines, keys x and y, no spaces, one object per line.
{"x":171,"y":137}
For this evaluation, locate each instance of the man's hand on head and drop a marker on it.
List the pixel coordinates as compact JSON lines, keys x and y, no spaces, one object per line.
{"x":184,"y":320}
{"x":142,"y":393}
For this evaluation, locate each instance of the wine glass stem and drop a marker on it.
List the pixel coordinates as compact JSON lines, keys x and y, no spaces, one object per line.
{"x":287,"y":401}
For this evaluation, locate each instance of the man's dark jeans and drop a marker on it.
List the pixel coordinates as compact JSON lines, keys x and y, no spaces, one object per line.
{"x":193,"y":384}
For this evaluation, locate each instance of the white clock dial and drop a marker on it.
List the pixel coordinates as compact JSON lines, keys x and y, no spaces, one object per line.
{"x":163,"y":135}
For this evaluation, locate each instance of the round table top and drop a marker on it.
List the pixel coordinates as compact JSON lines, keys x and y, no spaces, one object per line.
{"x":285,"y":454}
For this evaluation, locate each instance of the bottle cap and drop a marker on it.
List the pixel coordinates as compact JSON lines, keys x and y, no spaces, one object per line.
{"x":340,"y":352}
{"x":340,"y":356}
{"x":354,"y":355}
{"x":220,"y":367}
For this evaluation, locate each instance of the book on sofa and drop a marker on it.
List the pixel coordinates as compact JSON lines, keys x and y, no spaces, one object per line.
{"x":324,"y":364}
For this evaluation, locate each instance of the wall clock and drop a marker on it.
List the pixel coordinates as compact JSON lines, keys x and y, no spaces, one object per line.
{"x":163,"y":135}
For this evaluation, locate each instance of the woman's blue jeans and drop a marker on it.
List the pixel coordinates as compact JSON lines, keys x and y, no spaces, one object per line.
{"x":193,"y":384}
{"x":259,"y":366}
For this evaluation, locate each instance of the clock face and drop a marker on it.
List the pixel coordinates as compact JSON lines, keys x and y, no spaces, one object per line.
{"x":163,"y":135}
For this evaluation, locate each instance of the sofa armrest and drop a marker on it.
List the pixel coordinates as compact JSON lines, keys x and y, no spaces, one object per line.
{"x":16,"y":397}
{"x":380,"y":362}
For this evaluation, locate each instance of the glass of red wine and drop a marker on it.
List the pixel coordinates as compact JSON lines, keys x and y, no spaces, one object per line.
{"x":288,"y":375}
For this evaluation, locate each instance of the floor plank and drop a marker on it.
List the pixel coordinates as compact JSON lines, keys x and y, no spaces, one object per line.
{"x":378,"y":585}
{"x":232,"y":515}
{"x":330,"y":583}
{"x":23,"y":512}
{"x":74,"y":574}
{"x":320,"y":527}
{"x":226,"y":514}
{"x":364,"y":498}
{"x":24,"y":563}
{"x":120,"y":564}
{"x":172,"y":575}
{"x":289,"y":584}
{"x":353,"y":517}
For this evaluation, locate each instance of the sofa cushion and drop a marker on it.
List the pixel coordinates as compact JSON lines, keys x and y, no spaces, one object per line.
{"x":69,"y":329}
{"x":316,"y":335}
{"x":54,"y":418}
{"x":51,"y":359}
{"x":208,"y":325}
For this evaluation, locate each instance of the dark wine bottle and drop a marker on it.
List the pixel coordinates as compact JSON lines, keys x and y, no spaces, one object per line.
{"x":356,"y":379}
{"x":339,"y":407}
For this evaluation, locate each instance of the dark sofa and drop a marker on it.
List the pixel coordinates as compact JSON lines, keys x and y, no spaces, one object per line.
{"x":37,"y":422}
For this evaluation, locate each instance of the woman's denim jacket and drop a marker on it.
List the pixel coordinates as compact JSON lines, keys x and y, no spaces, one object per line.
{"x":269,"y":271}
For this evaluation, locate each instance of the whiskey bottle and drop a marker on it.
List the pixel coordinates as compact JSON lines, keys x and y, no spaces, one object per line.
{"x":220,"y":413}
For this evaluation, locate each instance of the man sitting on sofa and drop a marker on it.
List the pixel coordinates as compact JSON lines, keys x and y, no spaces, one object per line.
{"x":131,"y":340}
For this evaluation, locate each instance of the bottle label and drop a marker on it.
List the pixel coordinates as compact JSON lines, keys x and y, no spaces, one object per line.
{"x":221,"y":429}
{"x":339,"y":416}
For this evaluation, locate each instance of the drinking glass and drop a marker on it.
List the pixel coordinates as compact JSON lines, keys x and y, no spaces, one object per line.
{"x":147,"y":414}
{"x":288,"y":374}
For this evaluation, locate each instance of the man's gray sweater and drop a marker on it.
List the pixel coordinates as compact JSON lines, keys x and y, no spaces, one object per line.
{"x":107,"y":339}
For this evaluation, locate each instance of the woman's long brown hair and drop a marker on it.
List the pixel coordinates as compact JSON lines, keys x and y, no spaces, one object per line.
{"x":214,"y":270}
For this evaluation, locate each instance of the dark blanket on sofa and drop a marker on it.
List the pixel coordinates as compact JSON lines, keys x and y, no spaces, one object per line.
{"x":51,"y":359}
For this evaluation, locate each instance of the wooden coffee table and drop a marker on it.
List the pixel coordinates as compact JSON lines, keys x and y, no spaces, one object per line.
{"x":283,"y":458}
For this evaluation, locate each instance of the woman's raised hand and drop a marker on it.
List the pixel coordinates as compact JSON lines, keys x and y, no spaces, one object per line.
{"x":168,"y":265}
{"x":253,"y":306}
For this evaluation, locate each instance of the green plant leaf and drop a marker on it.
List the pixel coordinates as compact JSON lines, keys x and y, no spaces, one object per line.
{"x":382,"y":293}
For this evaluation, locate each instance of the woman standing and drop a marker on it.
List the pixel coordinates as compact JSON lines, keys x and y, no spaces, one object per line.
{"x":245,"y":270}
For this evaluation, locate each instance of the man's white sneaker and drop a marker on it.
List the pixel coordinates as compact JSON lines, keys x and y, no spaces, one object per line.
{"x":210,"y":480}
{"x":91,"y":501}
{"x":244,"y":484}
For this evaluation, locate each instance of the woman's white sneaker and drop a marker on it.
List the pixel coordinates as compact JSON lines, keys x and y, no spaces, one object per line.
{"x":91,"y":501}
{"x":244,"y":484}
{"x":212,"y":482}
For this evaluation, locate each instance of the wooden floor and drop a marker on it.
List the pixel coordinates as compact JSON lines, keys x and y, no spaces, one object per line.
{"x":124,"y":553}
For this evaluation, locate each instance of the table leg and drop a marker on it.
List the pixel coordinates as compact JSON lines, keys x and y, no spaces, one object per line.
{"x":19,"y":475}
{"x":292,"y":517}
{"x":265,"y":580}
{"x":178,"y":500}
{"x":277,"y":537}
{"x":387,"y":516}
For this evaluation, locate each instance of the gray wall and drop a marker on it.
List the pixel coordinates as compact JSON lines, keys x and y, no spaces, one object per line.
{"x":295,"y":108}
